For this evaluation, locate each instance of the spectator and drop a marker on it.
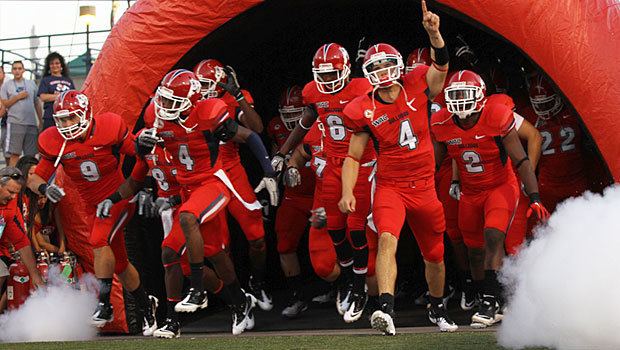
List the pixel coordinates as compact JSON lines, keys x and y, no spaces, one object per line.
{"x":19,"y":97}
{"x":3,"y":118}
{"x":12,"y":223}
{"x":55,"y":80}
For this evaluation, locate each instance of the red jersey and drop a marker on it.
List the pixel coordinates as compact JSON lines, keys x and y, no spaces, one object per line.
{"x":400,"y":129}
{"x":481,"y":159}
{"x":229,"y":151}
{"x":193,"y":147}
{"x":92,"y":164}
{"x":330,"y":108}
{"x":278,"y":132}
{"x":12,"y":228}
{"x":561,"y":159}
{"x":162,"y":169}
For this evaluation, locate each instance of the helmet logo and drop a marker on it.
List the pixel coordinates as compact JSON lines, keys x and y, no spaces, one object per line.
{"x":82,"y":100}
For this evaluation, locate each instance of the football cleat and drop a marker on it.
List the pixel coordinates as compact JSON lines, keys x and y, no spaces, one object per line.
{"x":243,"y":317}
{"x":103,"y":314}
{"x":382,"y":322}
{"x":358,"y":303}
{"x":324,"y":298}
{"x":263,"y":299}
{"x":193,"y":301}
{"x":439,"y":316}
{"x":150,"y":321}
{"x":343,"y":297}
{"x":488,"y":313}
{"x":170,"y":329}
{"x":468,"y":300}
{"x":294,"y":308}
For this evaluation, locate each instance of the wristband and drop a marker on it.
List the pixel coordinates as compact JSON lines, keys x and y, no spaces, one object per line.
{"x":519,"y":163}
{"x":455,"y":182}
{"x":534,"y":197}
{"x":303,"y":127}
{"x":442,"y":57}
{"x":42,"y":188}
{"x":115,"y":197}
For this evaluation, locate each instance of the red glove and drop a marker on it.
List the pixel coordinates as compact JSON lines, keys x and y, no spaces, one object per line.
{"x":537,"y":207}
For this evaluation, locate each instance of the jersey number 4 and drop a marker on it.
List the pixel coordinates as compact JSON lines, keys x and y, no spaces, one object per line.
{"x":184,"y":157}
{"x":406,"y":136}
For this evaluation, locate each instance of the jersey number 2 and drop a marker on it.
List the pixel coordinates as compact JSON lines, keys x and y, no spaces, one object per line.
{"x":566,"y":133}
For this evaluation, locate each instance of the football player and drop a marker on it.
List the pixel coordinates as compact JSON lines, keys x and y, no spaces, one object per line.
{"x":221,"y":82}
{"x":89,"y":149}
{"x":327,"y":95}
{"x":480,"y":135}
{"x":192,"y":130}
{"x":396,"y":116}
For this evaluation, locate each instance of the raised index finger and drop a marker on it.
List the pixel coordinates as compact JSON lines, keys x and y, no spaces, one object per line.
{"x":424,"y":9}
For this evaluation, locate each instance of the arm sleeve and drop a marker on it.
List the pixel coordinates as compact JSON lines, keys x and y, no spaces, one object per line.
{"x":508,"y":123}
{"x":140,"y":169}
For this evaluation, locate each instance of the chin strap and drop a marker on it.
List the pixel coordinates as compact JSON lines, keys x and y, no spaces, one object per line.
{"x":408,"y":102}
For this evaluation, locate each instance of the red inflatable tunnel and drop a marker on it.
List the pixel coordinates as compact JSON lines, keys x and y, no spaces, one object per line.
{"x":575,"y":42}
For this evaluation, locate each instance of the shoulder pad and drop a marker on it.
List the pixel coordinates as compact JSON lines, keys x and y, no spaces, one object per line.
{"x":309,"y":92}
{"x":210,"y":113}
{"x":501,"y":99}
{"x":499,"y":118}
{"x":108,"y":128}
{"x":360,"y":86}
{"x":50,"y":141}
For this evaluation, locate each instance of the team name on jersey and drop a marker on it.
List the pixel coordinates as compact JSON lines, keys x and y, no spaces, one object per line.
{"x":399,"y":117}
{"x":152,"y":157}
{"x":456,"y":141}
{"x":324,"y":104}
{"x":166,"y":134}
{"x":379,"y":120}
{"x":333,"y":110}
{"x":69,"y":155}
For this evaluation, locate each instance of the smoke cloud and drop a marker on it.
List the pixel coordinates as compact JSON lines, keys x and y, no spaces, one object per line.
{"x":566,"y":284}
{"x":56,"y":313}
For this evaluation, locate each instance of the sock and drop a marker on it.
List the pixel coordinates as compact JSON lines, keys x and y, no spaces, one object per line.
{"x":196,"y":276}
{"x":344,"y":252}
{"x":491,"y":284}
{"x":436,"y":303}
{"x":294,"y":285}
{"x":232,"y":294}
{"x":105,"y":287}
{"x":142,"y":300}
{"x":170,"y":313}
{"x":386,"y":303}
{"x":258,"y":256}
{"x":359,"y":246}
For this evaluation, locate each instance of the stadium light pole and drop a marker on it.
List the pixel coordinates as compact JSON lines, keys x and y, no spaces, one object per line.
{"x":88,"y":13}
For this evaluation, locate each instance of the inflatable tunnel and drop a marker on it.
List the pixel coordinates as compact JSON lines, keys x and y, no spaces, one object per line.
{"x":271,"y":44}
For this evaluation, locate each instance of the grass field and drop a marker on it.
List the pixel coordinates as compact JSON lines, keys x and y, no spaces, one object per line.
{"x":452,"y":341}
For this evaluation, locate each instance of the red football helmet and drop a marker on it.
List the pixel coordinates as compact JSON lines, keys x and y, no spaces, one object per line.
{"x":72,"y":114}
{"x":383,"y":65}
{"x":418,"y":57}
{"x":331,"y":68}
{"x":178,"y":92}
{"x":545,"y":101}
{"x":465,"y":93}
{"x":291,"y":106}
{"x":209,"y":73}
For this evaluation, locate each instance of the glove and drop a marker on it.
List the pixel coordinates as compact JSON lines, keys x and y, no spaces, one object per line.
{"x":103,"y":208}
{"x":162,"y":204}
{"x":292,"y":177}
{"x":145,"y":204}
{"x":537,"y":207}
{"x":52,"y":192}
{"x":277,"y":162}
{"x":455,"y":190}
{"x":146,"y":140}
{"x":319,"y":218}
{"x":231,"y":85}
{"x":271,"y":185}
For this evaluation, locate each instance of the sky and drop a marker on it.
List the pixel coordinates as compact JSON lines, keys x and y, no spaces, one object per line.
{"x":20,"y":18}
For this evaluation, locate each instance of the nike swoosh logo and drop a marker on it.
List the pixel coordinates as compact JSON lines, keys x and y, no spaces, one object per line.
{"x":480,"y":137}
{"x":97,"y":148}
{"x":343,"y":102}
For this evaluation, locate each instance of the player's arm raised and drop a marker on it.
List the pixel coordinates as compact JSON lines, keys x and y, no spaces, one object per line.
{"x":436,"y":75}
{"x":350,"y":170}
{"x":249,"y":117}
{"x":513,"y":147}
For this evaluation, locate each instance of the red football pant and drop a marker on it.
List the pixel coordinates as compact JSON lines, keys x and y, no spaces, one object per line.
{"x":332,"y":192}
{"x":250,"y":221}
{"x":443,"y":180}
{"x":291,"y":221}
{"x":110,"y":232}
{"x":492,"y":208}
{"x":417,"y":202}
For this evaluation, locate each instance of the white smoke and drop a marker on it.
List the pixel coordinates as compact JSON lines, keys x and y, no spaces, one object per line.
{"x":55,"y":313}
{"x":566,"y":284}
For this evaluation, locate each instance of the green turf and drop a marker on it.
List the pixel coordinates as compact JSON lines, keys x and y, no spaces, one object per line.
{"x":426,"y":341}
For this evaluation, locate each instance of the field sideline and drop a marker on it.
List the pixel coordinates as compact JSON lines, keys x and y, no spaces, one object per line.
{"x":282,"y":340}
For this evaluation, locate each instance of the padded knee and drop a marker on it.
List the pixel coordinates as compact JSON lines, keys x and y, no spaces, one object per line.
{"x":434,"y":254}
{"x":322,"y":264}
